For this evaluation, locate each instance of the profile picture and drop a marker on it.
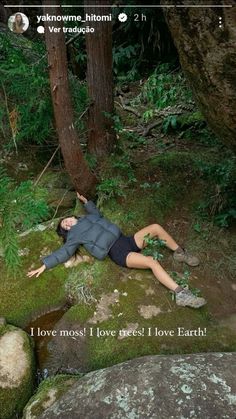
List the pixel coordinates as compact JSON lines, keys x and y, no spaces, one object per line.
{"x":18,"y":23}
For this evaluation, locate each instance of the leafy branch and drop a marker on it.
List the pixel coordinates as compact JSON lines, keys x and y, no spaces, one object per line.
{"x":153,"y":246}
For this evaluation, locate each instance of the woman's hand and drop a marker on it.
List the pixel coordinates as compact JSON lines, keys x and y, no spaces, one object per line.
{"x":81,"y":198}
{"x":37,"y":272}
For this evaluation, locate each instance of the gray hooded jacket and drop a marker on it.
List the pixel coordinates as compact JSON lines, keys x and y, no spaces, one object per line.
{"x":93,"y":231}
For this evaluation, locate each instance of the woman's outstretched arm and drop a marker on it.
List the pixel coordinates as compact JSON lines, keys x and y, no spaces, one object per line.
{"x":89,"y":206}
{"x":60,"y":255}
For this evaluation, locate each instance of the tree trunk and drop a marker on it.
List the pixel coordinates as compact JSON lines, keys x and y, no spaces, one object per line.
{"x":208,"y":57}
{"x":5,"y":13}
{"x":100,"y":83}
{"x":77,"y":167}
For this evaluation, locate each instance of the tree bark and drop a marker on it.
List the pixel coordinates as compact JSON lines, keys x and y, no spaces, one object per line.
{"x":83,"y":179}
{"x":208,"y":57}
{"x":100,"y":81}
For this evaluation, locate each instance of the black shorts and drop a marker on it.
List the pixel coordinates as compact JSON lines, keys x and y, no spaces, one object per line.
{"x":121,"y":248}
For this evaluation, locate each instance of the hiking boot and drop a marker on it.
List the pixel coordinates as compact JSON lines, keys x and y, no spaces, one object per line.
{"x":186,"y":298}
{"x":184,"y":256}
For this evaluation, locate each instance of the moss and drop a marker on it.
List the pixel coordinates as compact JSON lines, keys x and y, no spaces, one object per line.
{"x":173,"y":163}
{"x":220,"y":246}
{"x":190,"y":118}
{"x":106,"y":351}
{"x":5,"y":328}
{"x":60,"y":383}
{"x":144,"y":201}
{"x":23,"y":298}
{"x":140,"y":208}
{"x":173,"y":160}
{"x":80,"y":313}
{"x":12,"y":401}
{"x":132,"y":295}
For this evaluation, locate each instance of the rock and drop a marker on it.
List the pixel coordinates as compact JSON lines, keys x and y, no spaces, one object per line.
{"x":103,"y":309}
{"x":67,"y":350}
{"x":208,"y":59}
{"x":55,"y":386}
{"x":17,"y":367}
{"x":149,"y":291}
{"x":39,"y":227}
{"x":62,"y":197}
{"x":22,"y":166}
{"x":165,"y":387}
{"x":149,"y":311}
{"x":2,"y":321}
{"x":60,"y":189}
{"x":56,"y":179}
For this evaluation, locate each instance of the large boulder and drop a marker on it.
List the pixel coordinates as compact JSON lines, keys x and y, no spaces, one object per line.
{"x":60,"y":189}
{"x":208,"y":57}
{"x":165,"y":387}
{"x":17,"y":370}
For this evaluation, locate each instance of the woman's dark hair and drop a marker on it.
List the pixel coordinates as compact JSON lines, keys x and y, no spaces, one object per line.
{"x":61,"y":231}
{"x":17,"y":24}
{"x":19,"y":14}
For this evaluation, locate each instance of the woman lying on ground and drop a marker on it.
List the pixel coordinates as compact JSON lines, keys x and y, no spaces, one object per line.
{"x":100,"y":238}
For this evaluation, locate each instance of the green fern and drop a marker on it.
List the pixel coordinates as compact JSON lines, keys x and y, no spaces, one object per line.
{"x":20,"y":207}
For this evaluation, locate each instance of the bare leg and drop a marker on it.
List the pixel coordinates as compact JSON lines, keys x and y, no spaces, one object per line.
{"x":137,"y":260}
{"x":155,"y":230}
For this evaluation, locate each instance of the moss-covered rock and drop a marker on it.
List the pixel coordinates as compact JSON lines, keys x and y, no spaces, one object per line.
{"x":59,"y":188}
{"x":179,"y":386}
{"x":17,"y":371}
{"x":24,"y":298}
{"x":48,"y":393}
{"x":54,"y":179}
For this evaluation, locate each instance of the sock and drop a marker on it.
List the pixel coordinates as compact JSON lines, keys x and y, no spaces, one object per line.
{"x":179,"y":250}
{"x":178,"y":289}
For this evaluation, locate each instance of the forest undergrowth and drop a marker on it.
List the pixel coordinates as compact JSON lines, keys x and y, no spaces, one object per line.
{"x":163,"y":145}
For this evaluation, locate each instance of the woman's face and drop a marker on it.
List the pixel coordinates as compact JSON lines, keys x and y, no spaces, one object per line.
{"x":69,"y":222}
{"x":18,"y":18}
